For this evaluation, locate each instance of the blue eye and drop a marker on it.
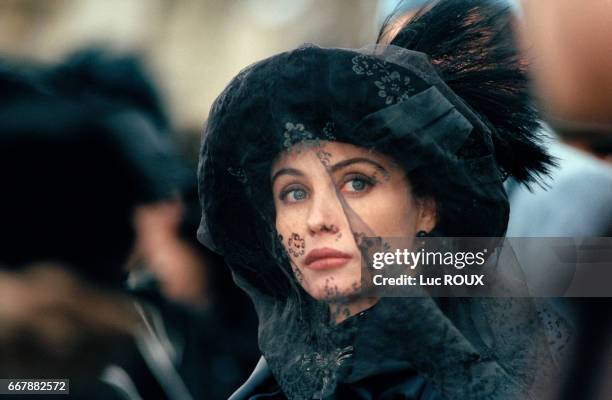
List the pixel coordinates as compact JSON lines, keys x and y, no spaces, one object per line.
{"x":299,"y":194}
{"x":294,"y":195}
{"x":357,"y":185}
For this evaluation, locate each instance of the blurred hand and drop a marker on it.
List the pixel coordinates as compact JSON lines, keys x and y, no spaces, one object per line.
{"x":54,"y":325}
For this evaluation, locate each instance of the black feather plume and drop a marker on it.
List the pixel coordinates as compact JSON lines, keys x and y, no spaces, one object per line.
{"x":471,"y":44}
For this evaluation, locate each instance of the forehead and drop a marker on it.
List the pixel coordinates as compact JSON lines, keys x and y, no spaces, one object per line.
{"x":327,"y":152}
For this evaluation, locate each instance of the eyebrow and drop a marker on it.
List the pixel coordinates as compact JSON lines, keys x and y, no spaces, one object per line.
{"x":356,"y":160}
{"x":286,"y":171}
{"x":334,"y":168}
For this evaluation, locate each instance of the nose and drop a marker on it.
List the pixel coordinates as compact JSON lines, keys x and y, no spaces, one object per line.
{"x":325,"y":214}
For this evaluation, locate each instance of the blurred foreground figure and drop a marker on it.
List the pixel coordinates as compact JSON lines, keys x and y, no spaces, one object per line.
{"x":168,"y":260}
{"x":210,"y":324}
{"x":569,"y":46}
{"x":160,"y":256}
{"x":575,"y":205}
{"x":71,"y":175}
{"x":576,"y":202}
{"x":83,"y":150}
{"x":55,"y":326}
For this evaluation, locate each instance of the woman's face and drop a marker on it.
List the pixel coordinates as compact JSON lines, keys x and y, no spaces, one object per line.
{"x":324,"y":194}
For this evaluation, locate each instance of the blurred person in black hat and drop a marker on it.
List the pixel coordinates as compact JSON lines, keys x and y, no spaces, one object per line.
{"x":217,"y":328}
{"x":71,"y":175}
{"x":95,"y":124}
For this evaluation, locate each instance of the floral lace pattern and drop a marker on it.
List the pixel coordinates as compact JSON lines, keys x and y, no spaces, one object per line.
{"x":392,"y":86}
{"x":295,"y":133}
{"x":324,"y":157}
{"x":329,"y":131}
{"x":316,"y":374}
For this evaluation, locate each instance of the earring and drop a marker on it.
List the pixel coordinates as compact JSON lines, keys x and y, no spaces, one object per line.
{"x":422,"y":234}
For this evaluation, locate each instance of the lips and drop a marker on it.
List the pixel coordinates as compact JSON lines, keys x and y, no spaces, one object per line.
{"x":326,"y":258}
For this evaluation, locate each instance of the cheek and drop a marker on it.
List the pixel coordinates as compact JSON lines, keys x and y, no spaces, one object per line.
{"x":292,"y":234}
{"x":295,"y":245}
{"x":284,"y":222}
{"x":388,"y":213}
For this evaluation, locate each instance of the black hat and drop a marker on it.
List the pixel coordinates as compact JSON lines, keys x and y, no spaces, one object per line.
{"x":71,"y":177}
{"x":385,"y":98}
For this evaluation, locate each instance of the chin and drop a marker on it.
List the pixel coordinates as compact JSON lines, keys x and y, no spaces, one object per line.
{"x":334,"y":285}
{"x":335,"y":290}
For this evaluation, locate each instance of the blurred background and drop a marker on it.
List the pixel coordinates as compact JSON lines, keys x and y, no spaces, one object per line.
{"x":191,"y":47}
